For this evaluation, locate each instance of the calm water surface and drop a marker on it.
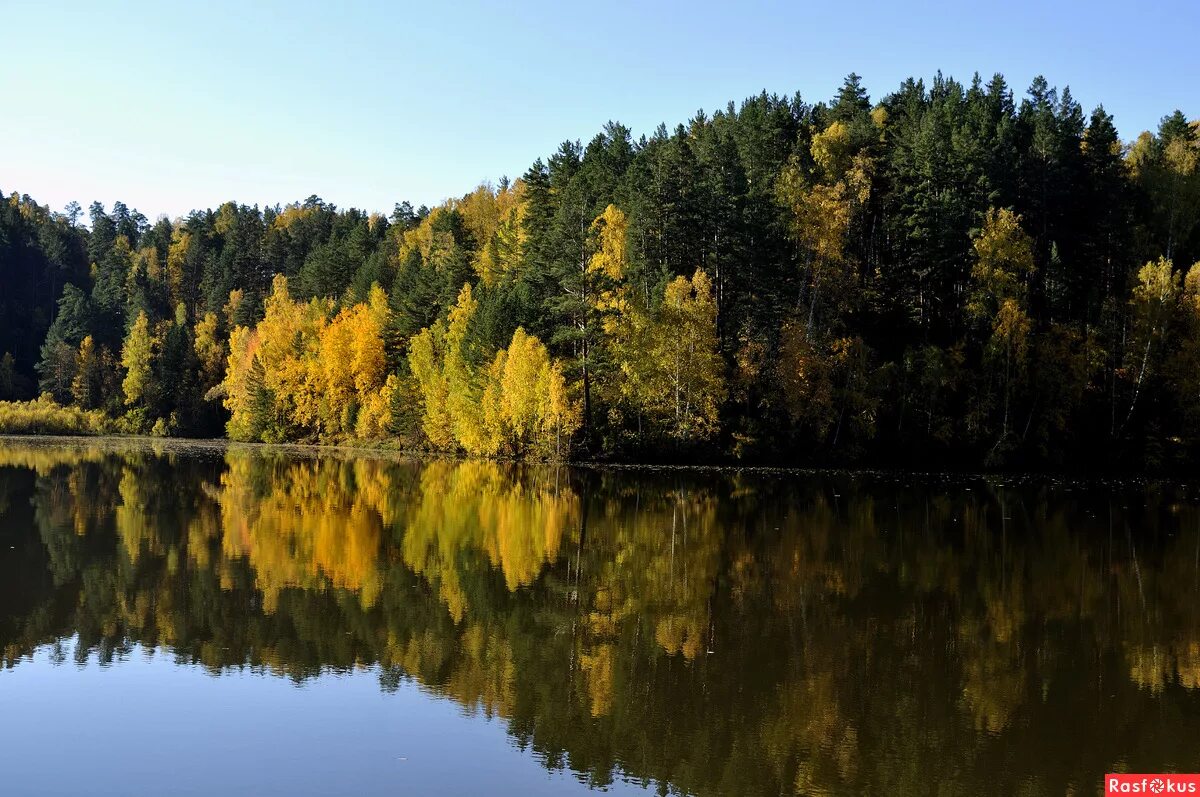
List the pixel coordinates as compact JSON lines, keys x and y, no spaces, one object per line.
{"x":202,"y":620}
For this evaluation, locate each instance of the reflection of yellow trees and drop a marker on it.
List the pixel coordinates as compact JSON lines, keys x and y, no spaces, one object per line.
{"x":664,"y":561}
{"x":517,"y":516}
{"x":42,"y":459}
{"x":1154,"y":667}
{"x":486,"y":674}
{"x":807,"y":724}
{"x":305,"y":524}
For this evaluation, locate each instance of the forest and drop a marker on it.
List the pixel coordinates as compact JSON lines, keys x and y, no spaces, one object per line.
{"x":949,"y":276}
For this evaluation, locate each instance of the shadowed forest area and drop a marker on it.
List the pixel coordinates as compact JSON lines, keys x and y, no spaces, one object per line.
{"x":947,"y":276}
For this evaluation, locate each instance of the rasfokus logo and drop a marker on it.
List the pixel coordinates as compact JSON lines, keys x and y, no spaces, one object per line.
{"x":1161,"y":783}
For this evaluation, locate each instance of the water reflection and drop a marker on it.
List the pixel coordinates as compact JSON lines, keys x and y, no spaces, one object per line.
{"x":711,"y":634}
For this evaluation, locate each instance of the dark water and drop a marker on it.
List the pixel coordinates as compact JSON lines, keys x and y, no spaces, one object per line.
{"x":196,"y":620}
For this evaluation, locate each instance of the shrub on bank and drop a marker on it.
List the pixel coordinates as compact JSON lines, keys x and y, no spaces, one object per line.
{"x":46,"y":416}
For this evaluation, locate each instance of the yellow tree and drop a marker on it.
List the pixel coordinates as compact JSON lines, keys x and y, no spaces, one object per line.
{"x":351,"y":365}
{"x":425,"y":363}
{"x":1185,"y":366}
{"x":821,"y":206}
{"x":210,"y":350}
{"x":497,"y":432}
{"x":463,"y":392}
{"x":95,"y":375}
{"x":1003,"y":265}
{"x":1152,"y":304}
{"x":176,"y":270}
{"x":521,"y":384}
{"x":536,"y":409}
{"x":288,"y":332}
{"x":242,"y":386}
{"x":493,"y":217}
{"x":690,"y":384}
{"x":136,"y":355}
{"x":446,"y":383}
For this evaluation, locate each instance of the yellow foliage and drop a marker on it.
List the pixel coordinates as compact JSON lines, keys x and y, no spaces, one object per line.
{"x":831,"y":149}
{"x":1004,"y":260}
{"x":690,"y":379}
{"x":462,"y":390}
{"x":517,"y":404}
{"x":351,"y":364}
{"x":210,"y":349}
{"x":317,"y":373}
{"x":425,"y":362}
{"x":610,"y":229}
{"x":243,"y":374}
{"x":493,"y":219}
{"x":135,"y":357}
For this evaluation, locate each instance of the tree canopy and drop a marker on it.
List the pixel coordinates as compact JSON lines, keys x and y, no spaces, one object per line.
{"x":948,"y":275}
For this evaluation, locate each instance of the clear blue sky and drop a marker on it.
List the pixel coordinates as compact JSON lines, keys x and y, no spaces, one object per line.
{"x":178,"y":105}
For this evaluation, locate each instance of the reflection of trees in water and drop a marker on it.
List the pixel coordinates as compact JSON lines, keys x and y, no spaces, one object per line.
{"x":720,"y":634}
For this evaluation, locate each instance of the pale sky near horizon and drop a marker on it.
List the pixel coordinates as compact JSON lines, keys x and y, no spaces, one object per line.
{"x":173,"y":106}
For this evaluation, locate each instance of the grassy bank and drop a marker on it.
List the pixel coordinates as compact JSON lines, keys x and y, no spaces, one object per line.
{"x":44,"y":416}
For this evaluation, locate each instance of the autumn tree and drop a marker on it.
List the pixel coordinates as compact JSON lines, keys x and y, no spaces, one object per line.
{"x":998,"y":301}
{"x":688,"y":373}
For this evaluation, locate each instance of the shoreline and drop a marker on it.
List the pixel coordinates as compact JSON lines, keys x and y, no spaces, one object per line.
{"x":315,"y":450}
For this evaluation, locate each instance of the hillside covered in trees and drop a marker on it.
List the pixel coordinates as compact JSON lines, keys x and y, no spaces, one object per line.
{"x":948,"y":276}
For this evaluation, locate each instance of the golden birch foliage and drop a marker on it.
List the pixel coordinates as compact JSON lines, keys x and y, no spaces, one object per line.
{"x":672,"y":373}
{"x":492,"y":217}
{"x":610,"y":258}
{"x":318,"y":373}
{"x":425,"y":362}
{"x":1004,"y":261}
{"x":496,"y":427}
{"x":181,"y":241}
{"x":136,"y":354}
{"x":81,"y":387}
{"x":1154,"y":294}
{"x":434,"y":247}
{"x":463,"y":393}
{"x":287,"y":333}
{"x":820,"y":216}
{"x":523,"y":379}
{"x":505,"y":253}
{"x":94,"y":375}
{"x":1010,"y":332}
{"x":535,"y":407}
{"x":1152,"y":303}
{"x":831,"y":149}
{"x":242,"y":378}
{"x":233,"y":306}
{"x":210,"y":349}
{"x":562,"y":416}
{"x":629,"y":331}
{"x":375,"y":415}
{"x":608,"y":264}
{"x":691,"y":380}
{"x":351,"y":365}
{"x":517,"y":404}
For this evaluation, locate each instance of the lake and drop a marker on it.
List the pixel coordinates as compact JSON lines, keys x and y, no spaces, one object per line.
{"x":201,"y":619}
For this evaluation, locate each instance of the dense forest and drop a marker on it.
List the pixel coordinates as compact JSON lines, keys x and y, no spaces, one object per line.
{"x":949,"y":276}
